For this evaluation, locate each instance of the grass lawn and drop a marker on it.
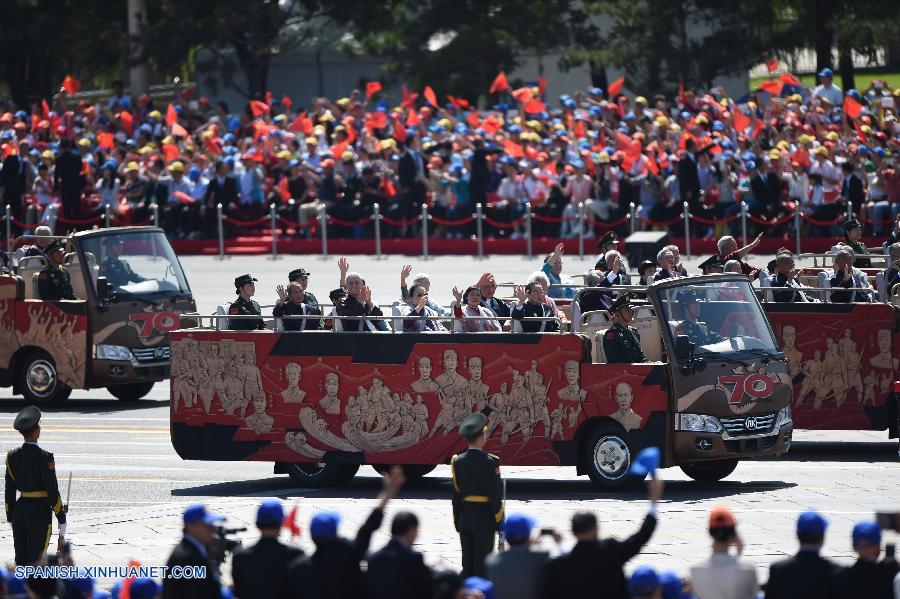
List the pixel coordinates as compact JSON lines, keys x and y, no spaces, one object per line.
{"x":863,"y":79}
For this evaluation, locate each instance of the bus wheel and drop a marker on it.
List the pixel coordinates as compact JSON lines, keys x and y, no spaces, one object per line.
{"x":709,"y":471}
{"x":38,"y":380}
{"x":130,"y":391}
{"x":320,"y":475}
{"x":607,"y":457}
{"x":410,"y":471}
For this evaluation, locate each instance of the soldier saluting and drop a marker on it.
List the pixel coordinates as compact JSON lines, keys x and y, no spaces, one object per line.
{"x":31,"y":471}
{"x":477,"y":496}
{"x":245,"y":287}
{"x":622,"y":342}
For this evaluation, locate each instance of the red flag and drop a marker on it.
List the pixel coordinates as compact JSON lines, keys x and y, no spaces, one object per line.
{"x":375,"y":120}
{"x":430,"y":97}
{"x":513,"y":149}
{"x":773,"y":87}
{"x":409,"y":99}
{"x":772,"y":65}
{"x":105,"y":140}
{"x":542,"y":85}
{"x":852,"y":107}
{"x":268,"y":98}
{"x":681,"y":95}
{"x":389,"y":189}
{"x":491,"y":124}
{"x":127,"y":122}
{"x":399,"y":130}
{"x":258,"y":108}
{"x":350,"y":129}
{"x":372,"y":88}
{"x":473,"y":120}
{"x":45,"y":109}
{"x":459,"y":103}
{"x":188,"y":92}
{"x":171,"y":115}
{"x":125,"y":592}
{"x":302,"y":124}
{"x":9,"y":150}
{"x":170,"y":152}
{"x":290,"y":523}
{"x":182,"y":197}
{"x":71,"y":85}
{"x":523,"y":95}
{"x":651,"y":162}
{"x":789,"y":79}
{"x":338,"y":149}
{"x":741,"y":120}
{"x":85,"y":165}
{"x":412,"y":118}
{"x":579,"y":130}
{"x":534,"y":107}
{"x":178,"y":131}
{"x":500,"y":83}
{"x":801,"y":157}
{"x":760,"y":125}
{"x":616,"y":86}
{"x":287,"y":102}
{"x":283,"y":190}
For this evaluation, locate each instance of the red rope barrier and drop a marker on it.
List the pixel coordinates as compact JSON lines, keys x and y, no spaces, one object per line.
{"x":79,"y":221}
{"x":615,"y":223}
{"x":661,"y":222}
{"x":453,"y":223}
{"x":245,"y":223}
{"x":349,"y":223}
{"x":124,"y":223}
{"x":822,"y":223}
{"x":19,"y":223}
{"x":295,"y":225}
{"x":867,"y":221}
{"x":548,"y":219}
{"x":777,"y":221}
{"x":400,"y":223}
{"x":714,"y":221}
{"x":500,"y":225}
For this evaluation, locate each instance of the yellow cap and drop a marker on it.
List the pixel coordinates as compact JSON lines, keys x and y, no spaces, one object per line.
{"x":145,"y":150}
{"x":640,"y":100}
{"x":168,"y":139}
{"x":326,"y":117}
{"x":774,"y":155}
{"x":388,"y":144}
{"x":795,"y":98}
{"x":445,"y":123}
{"x":804,"y":138}
{"x":284,"y":155}
{"x":132,"y":166}
{"x":155,"y":114}
{"x":603,"y":157}
{"x":701,"y":120}
{"x":346,"y":156}
{"x":176,"y":167}
{"x":832,"y":136}
{"x":821,"y":150}
{"x":783,"y":144}
{"x":343,"y":102}
{"x":675,"y":127}
{"x":536,"y":125}
{"x":864,"y":129}
{"x":751,"y":105}
{"x":47,"y":154}
{"x":84,"y":142}
{"x":661,"y":121}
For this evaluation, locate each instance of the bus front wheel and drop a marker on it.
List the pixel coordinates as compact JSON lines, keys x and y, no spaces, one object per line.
{"x":710,"y":471}
{"x":322,"y":474}
{"x":606,"y":456}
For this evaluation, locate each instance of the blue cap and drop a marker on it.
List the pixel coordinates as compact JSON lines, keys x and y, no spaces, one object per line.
{"x":864,"y":150}
{"x":569,"y":103}
{"x":643,"y":581}
{"x":101,"y":594}
{"x":110,"y":164}
{"x":578,"y":164}
{"x":750,"y":165}
{"x":853,"y":94}
{"x":270,"y":513}
{"x":16,"y":586}
{"x":82,"y":584}
{"x":21,"y":114}
{"x":646,"y":462}
{"x":595,"y":91}
{"x":718,"y":126}
{"x":227,"y":593}
{"x":869,"y":532}
{"x":193,"y":173}
{"x":199,"y":513}
{"x":515,"y":129}
{"x":685,"y":114}
{"x":595,"y":111}
{"x":228,"y":138}
{"x":879,"y":151}
{"x":324,"y":525}
{"x":144,"y":588}
{"x":812,"y":523}
{"x":629,"y":116}
{"x":233,"y":123}
{"x":475,"y":583}
{"x":35,"y":153}
{"x":501,"y":106}
{"x":518,"y":527}
{"x":672,"y":585}
{"x":826,"y":72}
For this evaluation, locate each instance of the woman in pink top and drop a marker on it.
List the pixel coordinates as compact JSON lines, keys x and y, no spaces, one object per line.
{"x":466,"y":309}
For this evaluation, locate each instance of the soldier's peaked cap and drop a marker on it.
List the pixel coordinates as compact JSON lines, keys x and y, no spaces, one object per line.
{"x":243,"y":280}
{"x":56,"y":245}
{"x":688,"y":297}
{"x":608,"y":239}
{"x":27,"y":418}
{"x":851,"y":223}
{"x":623,"y":301}
{"x":712,"y":262}
{"x":473,"y":425}
{"x":297,"y":274}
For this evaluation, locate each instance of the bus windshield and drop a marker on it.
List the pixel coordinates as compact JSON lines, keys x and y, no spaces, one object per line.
{"x":137,"y":264}
{"x":718,"y":317}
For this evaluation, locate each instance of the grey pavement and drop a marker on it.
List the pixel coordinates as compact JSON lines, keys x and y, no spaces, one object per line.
{"x":129,"y":486}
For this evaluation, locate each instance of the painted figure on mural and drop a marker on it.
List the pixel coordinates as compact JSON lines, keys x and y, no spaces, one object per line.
{"x":625,"y":415}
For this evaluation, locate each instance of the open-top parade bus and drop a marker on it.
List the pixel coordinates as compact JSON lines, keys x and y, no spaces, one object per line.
{"x":114,"y":335}
{"x":319,"y":404}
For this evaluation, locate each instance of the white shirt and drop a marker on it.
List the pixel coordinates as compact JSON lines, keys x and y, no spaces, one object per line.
{"x":724,"y":576}
{"x":832,"y":93}
{"x":828,"y":171}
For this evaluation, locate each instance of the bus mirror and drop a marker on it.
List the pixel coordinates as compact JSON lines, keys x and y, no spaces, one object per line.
{"x":103,"y":288}
{"x":684,"y":349}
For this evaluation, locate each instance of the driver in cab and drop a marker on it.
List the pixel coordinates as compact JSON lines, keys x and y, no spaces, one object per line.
{"x":117,"y":271}
{"x":696,"y":330}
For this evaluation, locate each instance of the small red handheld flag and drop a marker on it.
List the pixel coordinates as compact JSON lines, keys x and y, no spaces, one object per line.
{"x":772,"y":65}
{"x":852,"y":107}
{"x":789,"y":79}
{"x":616,"y":87}
{"x":258,"y":108}
{"x":430,"y":97}
{"x":500,"y":83}
{"x":523,"y":95}
{"x":268,"y":98}
{"x":372,"y":88}
{"x":71,"y":85}
{"x":741,"y":120}
{"x":409,"y":99}
{"x":171,"y":115}
{"x":773,"y":87}
{"x":287,"y":102}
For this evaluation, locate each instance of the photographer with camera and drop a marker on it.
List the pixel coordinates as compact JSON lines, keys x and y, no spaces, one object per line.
{"x":261,"y":570}
{"x":194,"y":550}
{"x":516,"y":572}
{"x":867,"y":577}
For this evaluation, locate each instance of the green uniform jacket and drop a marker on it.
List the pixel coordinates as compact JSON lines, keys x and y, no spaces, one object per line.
{"x":860,"y":250}
{"x":477,"y":495}
{"x":54,"y":284}
{"x":622,"y":345}
{"x":245,"y":307}
{"x":118,"y":272}
{"x":698,"y":332}
{"x":32,"y":471}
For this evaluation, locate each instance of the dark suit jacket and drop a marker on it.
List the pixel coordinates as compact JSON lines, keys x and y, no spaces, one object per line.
{"x":689,"y":181}
{"x":767,"y":192}
{"x":12,"y":180}
{"x":67,"y":174}
{"x":803,"y":576}
{"x":186,"y":554}
{"x":853,"y":191}
{"x":872,"y":580}
{"x":595,"y":565}
{"x":224,"y":194}
{"x":411,"y":164}
{"x":398,"y":572}
{"x":291,"y":309}
{"x":498,"y":307}
{"x":260,"y":571}
{"x":779,"y":280}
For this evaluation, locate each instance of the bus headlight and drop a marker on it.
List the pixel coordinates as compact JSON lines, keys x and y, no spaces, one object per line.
{"x":784,"y":417}
{"x":698,"y":423}
{"x":112,"y":352}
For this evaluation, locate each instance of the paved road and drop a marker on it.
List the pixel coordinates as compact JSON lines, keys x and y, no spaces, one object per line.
{"x":129,"y":487}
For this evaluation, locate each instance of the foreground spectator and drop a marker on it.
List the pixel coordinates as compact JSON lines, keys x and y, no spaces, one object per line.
{"x":516,"y":572}
{"x":193,"y":550}
{"x":806,"y":575}
{"x":260,"y":571}
{"x":644,"y":583}
{"x":722,"y":575}
{"x":396,"y":571}
{"x":867,"y":577}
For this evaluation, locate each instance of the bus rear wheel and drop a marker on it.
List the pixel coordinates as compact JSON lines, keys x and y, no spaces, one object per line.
{"x":38,"y":380}
{"x":709,"y":471}
{"x":410,"y":471}
{"x":322,"y":474}
{"x":606,"y":456}
{"x":130,"y":391}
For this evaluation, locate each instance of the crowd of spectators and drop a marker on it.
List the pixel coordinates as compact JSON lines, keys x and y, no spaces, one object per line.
{"x":783,"y":147}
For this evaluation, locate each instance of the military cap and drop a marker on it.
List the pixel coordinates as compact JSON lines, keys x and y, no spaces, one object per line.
{"x":337,"y":294}
{"x":688,"y":297}
{"x":713,"y":261}
{"x":243,"y":280}
{"x":111,"y":240}
{"x":56,"y":244}
{"x":623,"y":301}
{"x":473,"y":425}
{"x":644,"y":266}
{"x":27,"y":418}
{"x":608,"y":239}
{"x":297,"y":273}
{"x":851,"y":223}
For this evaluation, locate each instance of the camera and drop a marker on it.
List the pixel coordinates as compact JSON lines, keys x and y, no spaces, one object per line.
{"x":888,"y":520}
{"x":222,"y":544}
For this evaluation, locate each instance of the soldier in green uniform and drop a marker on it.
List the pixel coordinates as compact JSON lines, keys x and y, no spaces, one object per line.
{"x":244,"y":306}
{"x":852,"y":235}
{"x":32,"y":472}
{"x":54,"y":282}
{"x":117,"y":271}
{"x":697,"y":331}
{"x":477,"y":496}
{"x":622,"y":343}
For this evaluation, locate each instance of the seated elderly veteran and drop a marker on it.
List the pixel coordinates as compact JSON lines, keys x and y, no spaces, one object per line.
{"x":786,"y":276}
{"x":418,"y":305}
{"x":488,"y":288}
{"x":358,"y":302}
{"x":552,"y":267}
{"x":852,"y":281}
{"x":471,"y":311}
{"x":729,"y":250}
{"x":531,"y":304}
{"x":290,"y":303}
{"x":892,"y":272}
{"x":668,"y":269}
{"x":595,"y":299}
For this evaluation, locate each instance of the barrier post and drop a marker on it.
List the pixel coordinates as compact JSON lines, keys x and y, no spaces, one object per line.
{"x":797,"y":226}
{"x":8,"y":231}
{"x":155,"y":210}
{"x":743,"y":223}
{"x":221,"y":232}
{"x":581,"y":229}
{"x":424,"y":218}
{"x":376,"y":216}
{"x":274,"y":231}
{"x":528,"y":229}
{"x":849,"y":210}
{"x":479,"y":229}
{"x":687,"y":229}
{"x":323,"y":224}
{"x":106,"y":216}
{"x":632,"y":216}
